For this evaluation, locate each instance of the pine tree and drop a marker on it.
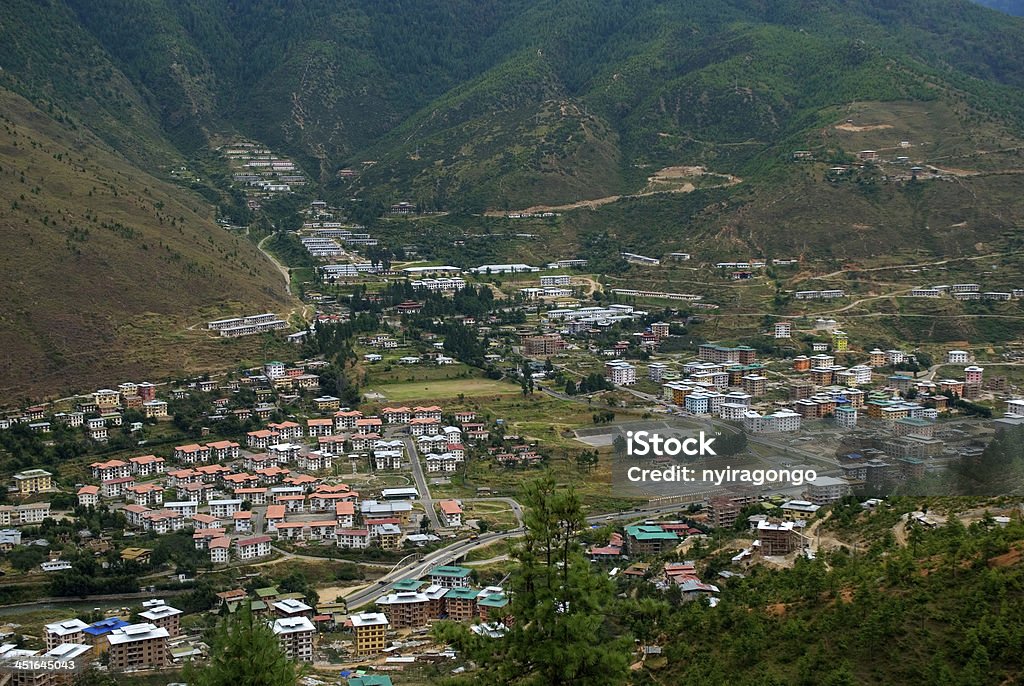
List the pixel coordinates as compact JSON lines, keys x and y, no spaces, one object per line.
{"x":244,"y":652}
{"x":559,"y":604}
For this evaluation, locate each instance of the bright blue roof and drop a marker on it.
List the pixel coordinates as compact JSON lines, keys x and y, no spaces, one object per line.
{"x":104,"y":626}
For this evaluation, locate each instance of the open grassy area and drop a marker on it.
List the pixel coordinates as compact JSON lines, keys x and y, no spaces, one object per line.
{"x":441,"y":390}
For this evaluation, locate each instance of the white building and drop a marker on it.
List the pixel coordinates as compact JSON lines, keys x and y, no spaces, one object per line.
{"x":252,"y":548}
{"x":846,"y":417}
{"x":295,"y":634}
{"x":620,"y":373}
{"x":958,"y":357}
{"x":776,"y":422}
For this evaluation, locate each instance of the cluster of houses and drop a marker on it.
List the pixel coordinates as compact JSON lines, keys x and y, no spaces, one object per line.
{"x":260,"y":172}
{"x":965,"y":291}
{"x":96,"y":413}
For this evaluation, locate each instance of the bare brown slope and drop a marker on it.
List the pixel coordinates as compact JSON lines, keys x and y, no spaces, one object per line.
{"x":103,"y":267}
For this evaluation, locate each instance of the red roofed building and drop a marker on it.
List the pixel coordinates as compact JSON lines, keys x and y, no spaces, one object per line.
{"x":452,"y":512}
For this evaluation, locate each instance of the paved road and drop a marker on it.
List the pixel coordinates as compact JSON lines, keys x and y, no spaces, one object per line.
{"x":421,"y":481}
{"x":422,"y":565}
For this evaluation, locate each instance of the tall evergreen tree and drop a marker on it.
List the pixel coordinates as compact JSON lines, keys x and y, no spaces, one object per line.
{"x":559,"y":634}
{"x":243,"y":652}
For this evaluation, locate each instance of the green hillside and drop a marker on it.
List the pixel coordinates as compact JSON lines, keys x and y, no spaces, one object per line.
{"x":649,"y":125}
{"x":106,"y":267}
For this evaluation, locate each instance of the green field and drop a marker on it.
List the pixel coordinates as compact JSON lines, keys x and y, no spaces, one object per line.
{"x":424,"y":391}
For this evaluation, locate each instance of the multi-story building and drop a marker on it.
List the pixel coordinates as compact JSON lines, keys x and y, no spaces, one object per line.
{"x":33,"y":481}
{"x":115,"y":488}
{"x":755,"y":384}
{"x":138,"y":646}
{"x":783,"y":329}
{"x":370,"y":629}
{"x":826,"y":490}
{"x":106,"y":400}
{"x":460,"y":604}
{"x":220,"y":550}
{"x":89,"y":496}
{"x":656,"y":371}
{"x":653,"y":540}
{"x":253,"y":548}
{"x":450,"y":576}
{"x":67,"y":631}
{"x":164,"y":616}
{"x":112,"y":469}
{"x":776,"y":422}
{"x":709,"y":352}
{"x":877,"y":358}
{"x":406,"y":609}
{"x":973,"y":375}
{"x":543,"y":345}
{"x":451,"y":510}
{"x":840,"y":341}
{"x":778,"y":538}
{"x":295,"y":634}
{"x":1015,"y":406}
{"x":846,"y":417}
{"x":155,"y":408}
{"x":958,"y":357}
{"x":799,"y":509}
{"x":223,"y":451}
{"x":620,"y":373}
{"x":910,"y":426}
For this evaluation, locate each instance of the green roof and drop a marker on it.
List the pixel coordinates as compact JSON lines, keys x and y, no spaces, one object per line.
{"x":265,"y":592}
{"x":408,"y":585}
{"x":258,"y":605}
{"x":450,"y":570}
{"x":462,"y":593}
{"x":914,"y":421}
{"x":370,"y":680}
{"x":493,"y":600}
{"x":650,"y":533}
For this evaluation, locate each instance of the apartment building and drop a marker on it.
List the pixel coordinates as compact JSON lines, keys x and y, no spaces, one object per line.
{"x":406,"y":609}
{"x":33,"y":481}
{"x":67,"y":631}
{"x":165,"y":617}
{"x":651,"y":540}
{"x":253,"y":548}
{"x":370,"y":629}
{"x":826,"y":490}
{"x":138,"y":647}
{"x":620,"y":373}
{"x":543,"y":345}
{"x":295,"y":634}
{"x":450,"y":576}
{"x":755,"y":384}
{"x":846,"y":417}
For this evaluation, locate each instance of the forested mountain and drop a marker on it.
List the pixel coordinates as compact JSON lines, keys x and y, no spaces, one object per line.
{"x":523,"y":89}
{"x":473,"y":105}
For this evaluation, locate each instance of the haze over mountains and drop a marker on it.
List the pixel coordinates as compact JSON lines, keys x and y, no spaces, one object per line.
{"x":467,"y":106}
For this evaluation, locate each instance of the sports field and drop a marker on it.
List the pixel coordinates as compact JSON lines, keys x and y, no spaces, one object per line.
{"x":446,"y":389}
